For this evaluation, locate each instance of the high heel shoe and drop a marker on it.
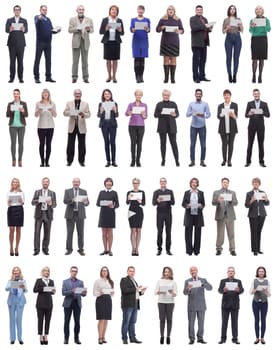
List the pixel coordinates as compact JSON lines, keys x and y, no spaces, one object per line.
{"x":257,"y":341}
{"x":100,"y":341}
{"x":161,"y":340}
{"x":262,"y":341}
{"x":11,"y":253}
{"x":104,"y":341}
{"x":254,"y":78}
{"x":16,"y":253}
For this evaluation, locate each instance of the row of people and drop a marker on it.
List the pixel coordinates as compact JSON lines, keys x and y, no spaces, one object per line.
{"x":166,"y":111}
{"x":73,"y":289}
{"x":112,"y":28}
{"x":76,"y":200}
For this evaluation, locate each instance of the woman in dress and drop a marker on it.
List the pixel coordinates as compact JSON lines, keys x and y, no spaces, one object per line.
{"x":136,"y":126}
{"x":45,"y":109}
{"x":259,"y":27}
{"x":103,"y":290}
{"x":17,"y":288}
{"x":108,"y":201}
{"x":112,"y":28}
{"x":108,"y":112}
{"x":136,"y":199}
{"x":140,"y":27}
{"x":166,"y":289}
{"x":171,"y":26}
{"x":17,"y":111}
{"x":232,"y":27}
{"x":15,"y":215}
{"x":44,"y":303}
{"x":260,"y":289}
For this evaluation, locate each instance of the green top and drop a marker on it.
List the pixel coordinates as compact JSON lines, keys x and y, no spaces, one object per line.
{"x":16,"y":118}
{"x":260,"y":30}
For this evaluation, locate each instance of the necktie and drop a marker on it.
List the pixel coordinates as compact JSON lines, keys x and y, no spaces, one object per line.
{"x":76,"y":203}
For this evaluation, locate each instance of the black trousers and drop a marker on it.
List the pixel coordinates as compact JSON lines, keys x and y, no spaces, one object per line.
{"x":45,"y":139}
{"x":136,"y":134}
{"x":251,"y":136}
{"x":43,"y":220}
{"x":76,"y":310}
{"x":164,"y":219}
{"x":199,"y":61}
{"x":163,"y":143}
{"x":44,"y":316}
{"x":71,"y":146}
{"x":227,"y":146}
{"x":256,"y":226}
{"x":41,"y":47}
{"x":165,"y":314}
{"x":234,"y":323}
{"x":16,"y":54}
{"x":193,"y":246}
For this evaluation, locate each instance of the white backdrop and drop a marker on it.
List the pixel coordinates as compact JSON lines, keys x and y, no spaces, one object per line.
{"x":148,"y":266}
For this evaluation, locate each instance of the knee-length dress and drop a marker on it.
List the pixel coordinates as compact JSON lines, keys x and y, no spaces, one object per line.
{"x":135,"y":210}
{"x":140,"y":41}
{"x":107,"y":216}
{"x":169,"y":45}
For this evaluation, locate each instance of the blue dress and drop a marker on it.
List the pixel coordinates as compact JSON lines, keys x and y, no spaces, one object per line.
{"x":140,"y":42}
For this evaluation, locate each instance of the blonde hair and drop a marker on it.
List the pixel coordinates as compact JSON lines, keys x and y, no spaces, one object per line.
{"x":259,"y":7}
{"x":136,"y":179}
{"x":43,"y":269}
{"x":20,"y":273}
{"x":166,"y":16}
{"x":49,"y":95}
{"x":17,"y":180}
{"x":138,"y":91}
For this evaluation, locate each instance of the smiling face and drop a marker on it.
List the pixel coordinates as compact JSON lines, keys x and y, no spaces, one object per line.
{"x":231,"y":272}
{"x":16,"y":95}
{"x":15,"y":184}
{"x":113,"y":12}
{"x":131,"y":272}
{"x":107,"y":95}
{"x":80,"y":11}
{"x":138,"y":95}
{"x":140,"y":11}
{"x":76,"y":182}
{"x":261,"y":272}
{"x":199,"y":11}
{"x":45,"y":272}
{"x":171,"y":11}
{"x":43,"y":10}
{"x":232,"y":11}
{"x":256,"y":95}
{"x":45,"y":183}
{"x":259,"y":11}
{"x":224,"y":184}
{"x":108,"y":184}
{"x":193,"y":271}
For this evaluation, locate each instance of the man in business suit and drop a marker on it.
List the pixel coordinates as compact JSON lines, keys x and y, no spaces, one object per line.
{"x":193,"y":202}
{"x":256,"y":110}
{"x":195,"y":287}
{"x":225,"y":200}
{"x":80,"y":26}
{"x":73,"y":290}
{"x":45,"y":202}
{"x":200,"y":40}
{"x":77,"y":111}
{"x":16,"y":27}
{"x":163,"y":198}
{"x":230,"y":288}
{"x":227,"y":115}
{"x":255,"y":201}
{"x":130,"y":303}
{"x":44,"y":31}
{"x":166,"y":111}
{"x":76,"y":200}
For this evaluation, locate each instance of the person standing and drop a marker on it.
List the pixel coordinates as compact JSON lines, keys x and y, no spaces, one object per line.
{"x":194,"y":288}
{"x":16,"y":27}
{"x":171,"y":26}
{"x":17,"y":111}
{"x":199,"y":111}
{"x":45,"y":287}
{"x":194,"y":203}
{"x":44,"y":31}
{"x":73,"y":290}
{"x":140,"y":27}
{"x":130,"y":303}
{"x":166,"y":111}
{"x":260,"y":289}
{"x":256,"y":110}
{"x":255,"y":201}
{"x":230,"y":288}
{"x":163,"y":198}
{"x":77,"y":111}
{"x":81,"y":27}
{"x":225,"y":200}
{"x":17,"y":288}
{"x":227,"y":115}
{"x":44,"y":201}
{"x":76,"y":200}
{"x":200,"y":40}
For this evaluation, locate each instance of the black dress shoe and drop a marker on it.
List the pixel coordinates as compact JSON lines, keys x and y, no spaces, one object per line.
{"x":222,"y":341}
{"x":192,"y":163}
{"x":163,"y":163}
{"x":37,"y":81}
{"x":45,"y":252}
{"x":201,"y":341}
{"x":82,"y":164}
{"x":233,"y":253}
{"x":68,"y":252}
{"x":125,"y":341}
{"x":161,"y":340}
{"x":74,"y":80}
{"x":10,"y":81}
{"x":86,"y":81}
{"x":202,"y":163}
{"x":107,"y":164}
{"x":132,"y":164}
{"x":159,"y":252}
{"x":36,"y":253}
{"x":50,"y":80}
{"x":260,"y":252}
{"x":21,"y":81}
{"x":168,"y":340}
{"x":263,"y":165}
{"x":104,"y":252}
{"x":229,"y":164}
{"x":169,"y":252}
{"x":177,"y":163}
{"x":235,"y":341}
{"x":223,"y":163}
{"x":12,"y":342}
{"x":81,"y":252}
{"x":218,"y":252}
{"x":21,"y":342}
{"x":248,"y":164}
{"x":191,"y":342}
{"x":65,"y":341}
{"x":69,"y":163}
{"x":136,"y":341}
{"x":138,"y":163}
{"x":77,"y":341}
{"x":197,"y":81}
{"x":205,"y":79}
{"x":255,"y":253}
{"x":114,"y":164}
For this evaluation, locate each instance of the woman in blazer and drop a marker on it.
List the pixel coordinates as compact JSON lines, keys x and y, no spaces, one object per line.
{"x":108,"y":112}
{"x":44,"y":303}
{"x":227,"y":115}
{"x":17,"y":288}
{"x":17,"y":111}
{"x":112,"y":28}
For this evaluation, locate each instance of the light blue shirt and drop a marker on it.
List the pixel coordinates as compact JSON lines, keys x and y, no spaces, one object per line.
{"x":198,"y":107}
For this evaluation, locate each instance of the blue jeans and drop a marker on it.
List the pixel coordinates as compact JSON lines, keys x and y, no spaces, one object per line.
{"x":129,"y":320}
{"x":202,"y":138}
{"x":233,"y":46}
{"x":260,"y":309}
{"x":16,"y":313}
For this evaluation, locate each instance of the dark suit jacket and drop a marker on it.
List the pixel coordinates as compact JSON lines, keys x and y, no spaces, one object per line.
{"x":186,"y":201}
{"x":257,"y":207}
{"x":10,"y":114}
{"x":128,"y":290}
{"x":105,"y":32}
{"x":69,"y":294}
{"x":38,"y":211}
{"x":233,"y":122}
{"x":166,"y":122}
{"x":199,"y":32}
{"x":44,"y":299}
{"x":70,"y":204}
{"x":16,"y":37}
{"x":256,"y":121}
{"x":230,"y":299}
{"x":113,"y":116}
